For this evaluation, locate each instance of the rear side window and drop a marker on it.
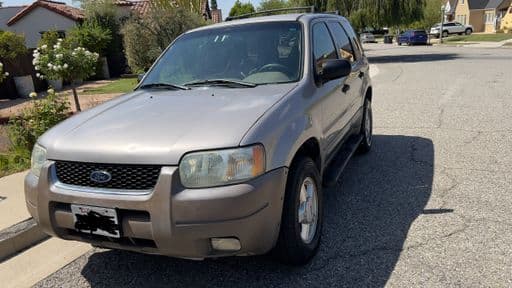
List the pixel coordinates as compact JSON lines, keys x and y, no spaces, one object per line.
{"x":323,"y":47}
{"x":342,"y":41}
{"x":355,"y":42}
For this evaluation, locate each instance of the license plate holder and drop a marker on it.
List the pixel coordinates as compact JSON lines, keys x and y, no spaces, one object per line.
{"x":96,"y":220}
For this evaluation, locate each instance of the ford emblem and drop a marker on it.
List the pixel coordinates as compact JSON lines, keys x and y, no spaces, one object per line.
{"x":100,"y":176}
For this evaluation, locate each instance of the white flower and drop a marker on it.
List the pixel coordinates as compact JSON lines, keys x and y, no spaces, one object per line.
{"x":51,"y":91}
{"x":55,"y":46}
{"x":37,"y":68}
{"x":65,"y":66}
{"x":59,"y":56}
{"x":44,"y":46}
{"x":74,"y":53}
{"x":32,"y":95}
{"x":1,"y":65}
{"x":6,"y":74}
{"x":38,"y":75}
{"x":50,"y":65}
{"x":59,"y":40}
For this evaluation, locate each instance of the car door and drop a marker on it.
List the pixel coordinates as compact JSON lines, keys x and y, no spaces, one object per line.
{"x":458,"y":28}
{"x":360,"y":68}
{"x":450,"y":27}
{"x":334,"y":102}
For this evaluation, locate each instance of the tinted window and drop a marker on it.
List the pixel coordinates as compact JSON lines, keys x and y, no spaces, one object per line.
{"x":449,"y":24}
{"x":420,"y":32}
{"x":323,"y":47}
{"x":342,"y":41}
{"x":355,"y":42}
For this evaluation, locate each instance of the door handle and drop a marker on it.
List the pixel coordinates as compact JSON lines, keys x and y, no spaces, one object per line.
{"x":361,"y":74}
{"x":345,"y":88}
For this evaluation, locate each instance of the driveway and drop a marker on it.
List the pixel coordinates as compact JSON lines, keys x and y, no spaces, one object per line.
{"x":429,"y":206}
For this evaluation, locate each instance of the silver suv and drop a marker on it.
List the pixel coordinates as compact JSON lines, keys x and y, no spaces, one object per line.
{"x":222,"y":149}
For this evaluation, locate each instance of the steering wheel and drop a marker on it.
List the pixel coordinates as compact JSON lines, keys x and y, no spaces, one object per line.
{"x":274,"y":67}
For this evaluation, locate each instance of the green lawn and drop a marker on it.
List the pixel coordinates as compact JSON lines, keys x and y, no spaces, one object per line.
{"x":122,"y":85}
{"x":481,"y":38}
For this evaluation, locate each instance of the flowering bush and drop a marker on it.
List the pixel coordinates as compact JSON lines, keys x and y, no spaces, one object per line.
{"x":24,"y":130}
{"x":61,"y":62}
{"x":3,"y":74}
{"x":36,"y":119}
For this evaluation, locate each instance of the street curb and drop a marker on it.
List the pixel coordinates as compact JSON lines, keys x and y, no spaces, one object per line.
{"x":20,"y":237}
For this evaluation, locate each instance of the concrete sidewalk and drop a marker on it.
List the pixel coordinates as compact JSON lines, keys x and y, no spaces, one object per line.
{"x":12,"y":200}
{"x":18,"y":231}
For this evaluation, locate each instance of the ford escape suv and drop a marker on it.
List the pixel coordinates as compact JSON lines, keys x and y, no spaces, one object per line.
{"x":222,"y":149}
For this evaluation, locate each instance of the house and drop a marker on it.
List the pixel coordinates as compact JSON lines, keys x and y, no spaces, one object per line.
{"x":471,"y":12}
{"x":484,"y":15}
{"x":42,"y":16}
{"x":7,"y":13}
{"x":449,"y":10}
{"x":127,"y":7}
{"x":494,"y":13}
{"x":506,"y":21}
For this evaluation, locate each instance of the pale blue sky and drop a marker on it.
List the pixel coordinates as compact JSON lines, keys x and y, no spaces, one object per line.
{"x":225,"y":5}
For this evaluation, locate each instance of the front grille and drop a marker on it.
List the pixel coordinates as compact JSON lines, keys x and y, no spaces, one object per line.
{"x":123,"y":177}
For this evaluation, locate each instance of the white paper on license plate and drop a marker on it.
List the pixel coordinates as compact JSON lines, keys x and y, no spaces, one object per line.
{"x":107,"y":212}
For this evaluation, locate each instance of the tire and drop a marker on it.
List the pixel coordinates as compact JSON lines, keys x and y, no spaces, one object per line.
{"x":292,"y":247}
{"x":445,"y":34}
{"x":468,"y":31}
{"x":367,"y":127}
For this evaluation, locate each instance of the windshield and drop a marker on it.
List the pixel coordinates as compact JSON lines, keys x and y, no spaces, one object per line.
{"x":260,"y":53}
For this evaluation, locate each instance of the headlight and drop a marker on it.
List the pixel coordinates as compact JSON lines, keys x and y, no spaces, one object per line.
{"x":222,"y":167}
{"x":38,"y":159}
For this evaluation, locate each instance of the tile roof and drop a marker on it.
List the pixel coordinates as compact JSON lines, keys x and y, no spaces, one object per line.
{"x":139,"y":6}
{"x":61,"y":8}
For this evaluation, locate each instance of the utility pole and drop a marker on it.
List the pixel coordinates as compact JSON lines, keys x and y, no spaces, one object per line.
{"x":442,"y":22}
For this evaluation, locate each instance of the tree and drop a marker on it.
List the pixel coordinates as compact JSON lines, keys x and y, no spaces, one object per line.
{"x":62,"y":61}
{"x":91,"y":36}
{"x":273,"y":4}
{"x":431,"y":13}
{"x":146,"y":36}
{"x":240,"y":8}
{"x":214,"y":5}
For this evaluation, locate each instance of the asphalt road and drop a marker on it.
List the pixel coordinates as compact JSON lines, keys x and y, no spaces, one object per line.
{"x":430,"y":206}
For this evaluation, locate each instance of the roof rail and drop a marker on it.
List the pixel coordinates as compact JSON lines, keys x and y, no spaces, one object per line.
{"x":310,"y":9}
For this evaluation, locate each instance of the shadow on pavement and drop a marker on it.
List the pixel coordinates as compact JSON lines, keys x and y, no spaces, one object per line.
{"x":368,"y":217}
{"x":411,"y":58}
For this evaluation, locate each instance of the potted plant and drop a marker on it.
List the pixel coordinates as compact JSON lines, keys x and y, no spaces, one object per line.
{"x":61,"y":61}
{"x":12,"y":46}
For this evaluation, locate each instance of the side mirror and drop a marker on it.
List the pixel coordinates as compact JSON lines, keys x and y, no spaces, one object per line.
{"x":334,"y":69}
{"x":140,"y":76}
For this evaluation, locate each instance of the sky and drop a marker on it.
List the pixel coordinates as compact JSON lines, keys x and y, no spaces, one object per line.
{"x":224,"y":5}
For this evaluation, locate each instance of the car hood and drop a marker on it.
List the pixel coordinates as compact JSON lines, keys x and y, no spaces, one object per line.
{"x":159,"y":126}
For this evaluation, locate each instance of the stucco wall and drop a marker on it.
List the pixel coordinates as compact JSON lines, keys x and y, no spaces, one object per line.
{"x":7,"y":13}
{"x":40,"y":20}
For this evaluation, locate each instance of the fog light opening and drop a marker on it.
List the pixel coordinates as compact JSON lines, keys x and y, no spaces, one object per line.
{"x":229,"y":244}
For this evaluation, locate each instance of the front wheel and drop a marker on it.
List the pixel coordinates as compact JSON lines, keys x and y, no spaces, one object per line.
{"x":367,"y":127}
{"x":301,"y":223}
{"x":468,"y":31}
{"x":445,"y":34}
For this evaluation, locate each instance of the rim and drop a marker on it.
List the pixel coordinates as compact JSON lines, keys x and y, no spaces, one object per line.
{"x":368,"y":123}
{"x":308,"y":210}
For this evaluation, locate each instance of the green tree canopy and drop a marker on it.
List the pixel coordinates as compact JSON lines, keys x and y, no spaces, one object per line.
{"x":240,"y":8}
{"x":273,"y":4}
{"x":214,"y":5}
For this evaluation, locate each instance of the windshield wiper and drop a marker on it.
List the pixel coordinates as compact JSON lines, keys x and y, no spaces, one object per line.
{"x":164,"y":85}
{"x":226,"y":82}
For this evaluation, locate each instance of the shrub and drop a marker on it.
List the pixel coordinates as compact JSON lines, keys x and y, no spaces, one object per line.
{"x":11,"y":45}
{"x":61,"y":62}
{"x":24,"y":130}
{"x":146,"y":37}
{"x":91,"y":36}
{"x":49,"y":39}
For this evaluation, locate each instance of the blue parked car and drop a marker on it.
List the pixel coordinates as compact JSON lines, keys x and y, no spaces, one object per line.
{"x":413,"y":37}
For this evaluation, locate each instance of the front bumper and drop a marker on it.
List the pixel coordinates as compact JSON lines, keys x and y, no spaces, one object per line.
{"x":170,"y":220}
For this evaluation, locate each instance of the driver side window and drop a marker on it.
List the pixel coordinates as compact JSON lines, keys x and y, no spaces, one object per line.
{"x":323,"y":46}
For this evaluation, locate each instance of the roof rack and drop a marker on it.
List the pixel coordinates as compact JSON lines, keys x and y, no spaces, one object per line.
{"x":310,"y":9}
